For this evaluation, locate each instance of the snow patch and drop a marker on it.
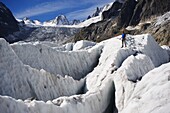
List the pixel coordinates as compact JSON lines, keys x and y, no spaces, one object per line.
{"x":163,"y":19}
{"x":83,"y":44}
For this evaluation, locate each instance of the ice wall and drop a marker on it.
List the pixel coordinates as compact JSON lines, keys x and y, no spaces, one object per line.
{"x":72,"y":63}
{"x":21,"y":81}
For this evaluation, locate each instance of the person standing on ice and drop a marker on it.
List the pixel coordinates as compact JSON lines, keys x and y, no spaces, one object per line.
{"x":123,"y":39}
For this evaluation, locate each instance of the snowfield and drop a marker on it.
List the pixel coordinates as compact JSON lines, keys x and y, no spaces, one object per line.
{"x":85,"y":77}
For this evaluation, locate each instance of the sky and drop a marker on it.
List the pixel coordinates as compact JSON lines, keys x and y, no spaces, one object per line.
{"x":44,"y":10}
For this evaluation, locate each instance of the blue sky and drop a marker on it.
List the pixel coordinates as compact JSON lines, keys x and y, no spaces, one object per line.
{"x":49,"y":9}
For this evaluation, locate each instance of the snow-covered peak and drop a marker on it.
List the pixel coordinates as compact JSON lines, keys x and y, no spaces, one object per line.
{"x":37,"y":22}
{"x":62,"y":21}
{"x":107,"y":7}
{"x":59,"y":20}
{"x":31,"y":23}
{"x":94,"y":18}
{"x":97,"y":12}
{"x":75,"y":22}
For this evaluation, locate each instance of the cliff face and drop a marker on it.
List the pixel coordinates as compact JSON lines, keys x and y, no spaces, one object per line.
{"x":8,"y":23}
{"x":133,"y":12}
{"x":160,"y":29}
{"x":130,"y":13}
{"x":113,"y":11}
{"x":126,"y":13}
{"x":103,"y":29}
{"x":152,"y":8}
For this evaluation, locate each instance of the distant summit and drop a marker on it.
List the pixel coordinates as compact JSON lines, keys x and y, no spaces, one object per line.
{"x":59,"y":20}
{"x":97,"y":12}
{"x":31,"y":23}
{"x":100,"y":10}
{"x":75,"y":22}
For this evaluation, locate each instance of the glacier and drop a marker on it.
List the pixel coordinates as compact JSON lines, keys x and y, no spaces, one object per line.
{"x":22,"y":81}
{"x":122,"y":79}
{"x":73,"y":63}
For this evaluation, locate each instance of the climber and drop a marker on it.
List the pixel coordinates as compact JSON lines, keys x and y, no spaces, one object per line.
{"x":123,"y":39}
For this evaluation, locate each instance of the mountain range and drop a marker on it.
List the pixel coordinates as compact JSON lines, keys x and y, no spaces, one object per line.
{"x":83,"y":68}
{"x":59,"y":20}
{"x":109,"y":20}
{"x":61,"y":29}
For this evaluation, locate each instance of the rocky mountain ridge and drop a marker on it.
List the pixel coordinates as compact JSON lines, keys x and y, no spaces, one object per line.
{"x":130,"y":13}
{"x":8,"y":23}
{"x":141,"y":10}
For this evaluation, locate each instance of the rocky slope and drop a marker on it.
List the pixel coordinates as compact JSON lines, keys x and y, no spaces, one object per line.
{"x":132,"y":13}
{"x":160,"y":29}
{"x":141,"y":10}
{"x":8,"y":23}
{"x":103,"y":29}
{"x":113,"y":11}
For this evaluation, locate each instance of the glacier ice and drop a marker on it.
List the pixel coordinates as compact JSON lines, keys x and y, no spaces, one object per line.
{"x":83,"y":44}
{"x":126,"y":77}
{"x":120,"y":71}
{"x":151,"y":94}
{"x":21,"y":81}
{"x":75,"y":64}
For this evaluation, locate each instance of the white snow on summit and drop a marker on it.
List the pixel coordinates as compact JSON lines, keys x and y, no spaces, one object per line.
{"x":62,"y":21}
{"x":59,"y":20}
{"x":97,"y":18}
{"x":31,"y":23}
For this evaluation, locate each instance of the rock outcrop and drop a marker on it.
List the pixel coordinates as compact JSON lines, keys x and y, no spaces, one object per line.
{"x":113,"y":11}
{"x":96,"y":13}
{"x":75,"y":22}
{"x":160,"y":29}
{"x":126,"y":13}
{"x":8,"y":23}
{"x":134,"y":11}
